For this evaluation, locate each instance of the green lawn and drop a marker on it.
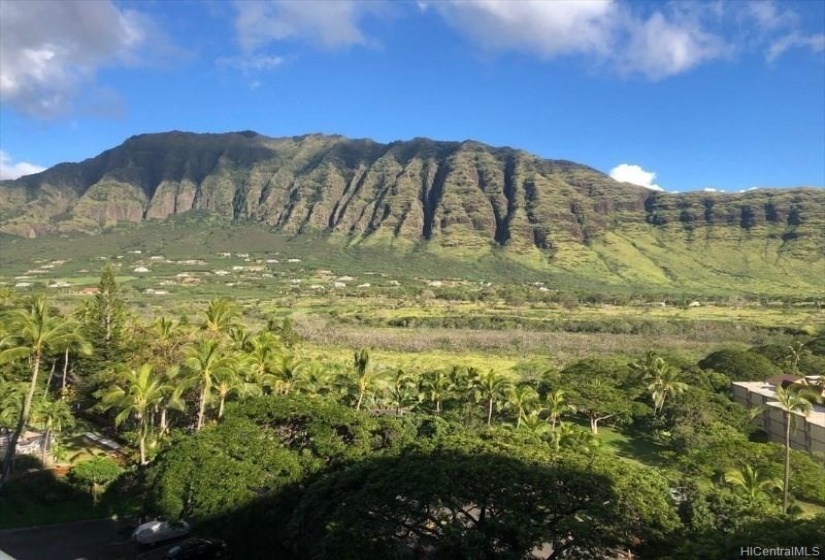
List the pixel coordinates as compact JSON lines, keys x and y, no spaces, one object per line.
{"x":631,"y":446}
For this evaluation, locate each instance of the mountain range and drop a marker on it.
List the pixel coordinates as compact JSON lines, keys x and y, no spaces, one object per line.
{"x":459,"y":199}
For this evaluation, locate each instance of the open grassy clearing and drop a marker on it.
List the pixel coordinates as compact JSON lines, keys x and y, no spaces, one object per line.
{"x":432,"y":346}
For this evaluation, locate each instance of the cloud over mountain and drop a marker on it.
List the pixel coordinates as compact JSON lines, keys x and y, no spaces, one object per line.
{"x":10,"y":169}
{"x":635,"y":175}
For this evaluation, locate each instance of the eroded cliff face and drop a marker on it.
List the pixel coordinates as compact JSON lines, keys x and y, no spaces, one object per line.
{"x":447,"y":193}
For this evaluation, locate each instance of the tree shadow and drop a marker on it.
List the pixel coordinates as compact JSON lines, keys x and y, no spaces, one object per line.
{"x":448,"y":504}
{"x":36,"y":495}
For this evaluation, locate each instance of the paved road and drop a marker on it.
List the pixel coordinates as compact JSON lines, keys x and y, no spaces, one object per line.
{"x":81,"y":540}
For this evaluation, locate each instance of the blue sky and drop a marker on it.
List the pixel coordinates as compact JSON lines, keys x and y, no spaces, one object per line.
{"x":675,"y":95}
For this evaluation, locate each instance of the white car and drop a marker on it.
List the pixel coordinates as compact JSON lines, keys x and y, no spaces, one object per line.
{"x":157,"y":531}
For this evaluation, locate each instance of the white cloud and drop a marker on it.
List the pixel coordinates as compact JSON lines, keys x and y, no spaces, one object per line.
{"x":655,"y":40}
{"x":794,"y":40}
{"x":767,"y":15}
{"x":250,"y":64}
{"x":634,"y":174}
{"x":9,"y":169}
{"x":545,"y":28}
{"x":327,"y":23}
{"x":659,"y":47}
{"x":50,"y":49}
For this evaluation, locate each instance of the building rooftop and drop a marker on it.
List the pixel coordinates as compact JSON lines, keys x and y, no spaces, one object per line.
{"x":816,"y":416}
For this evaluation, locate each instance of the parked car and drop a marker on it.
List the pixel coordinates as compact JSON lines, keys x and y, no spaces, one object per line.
{"x":198,"y":549}
{"x":159,"y":531}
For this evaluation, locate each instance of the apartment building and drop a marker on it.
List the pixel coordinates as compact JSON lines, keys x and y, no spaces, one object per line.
{"x":807,"y":432}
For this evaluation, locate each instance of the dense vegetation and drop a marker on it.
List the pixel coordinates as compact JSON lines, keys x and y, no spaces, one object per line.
{"x":236,"y":428}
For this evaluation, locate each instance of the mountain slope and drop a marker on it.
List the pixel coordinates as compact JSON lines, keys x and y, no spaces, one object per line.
{"x":462,"y":199}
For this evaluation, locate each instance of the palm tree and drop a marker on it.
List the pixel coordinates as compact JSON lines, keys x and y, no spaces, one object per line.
{"x":137,"y":392}
{"x":241,"y":338}
{"x":795,"y":352}
{"x":534,"y":424}
{"x":262,"y":356}
{"x":52,"y":416}
{"x":204,"y":362}
{"x":662,"y":379}
{"x":34,"y":330}
{"x":492,"y":387}
{"x":316,"y":379}
{"x":435,"y":387}
{"x":174,"y":386}
{"x":12,"y":396}
{"x":220,"y":316}
{"x":570,"y":435}
{"x":229,"y":381}
{"x":403,"y":391}
{"x":792,"y":403}
{"x":361,"y":360}
{"x":170,"y":336}
{"x":556,"y":406}
{"x":523,"y":398}
{"x":286,"y":370}
{"x":753,"y":481}
{"x":74,"y":343}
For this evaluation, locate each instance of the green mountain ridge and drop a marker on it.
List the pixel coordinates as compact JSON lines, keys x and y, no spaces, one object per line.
{"x":462,"y":200}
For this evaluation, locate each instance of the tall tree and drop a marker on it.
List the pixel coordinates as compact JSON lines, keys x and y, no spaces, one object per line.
{"x":792,"y":403}
{"x":136,"y":394}
{"x":556,"y":406}
{"x":361,"y":362}
{"x":105,"y":321}
{"x":230,"y":381}
{"x":53,"y":416}
{"x":204,"y":361}
{"x":34,"y":330}
{"x":492,"y":387}
{"x":523,"y":398}
{"x":435,"y":387}
{"x":109,"y":305}
{"x":77,"y":344}
{"x":174,"y":384}
{"x":403,"y":391}
{"x":662,"y":379}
